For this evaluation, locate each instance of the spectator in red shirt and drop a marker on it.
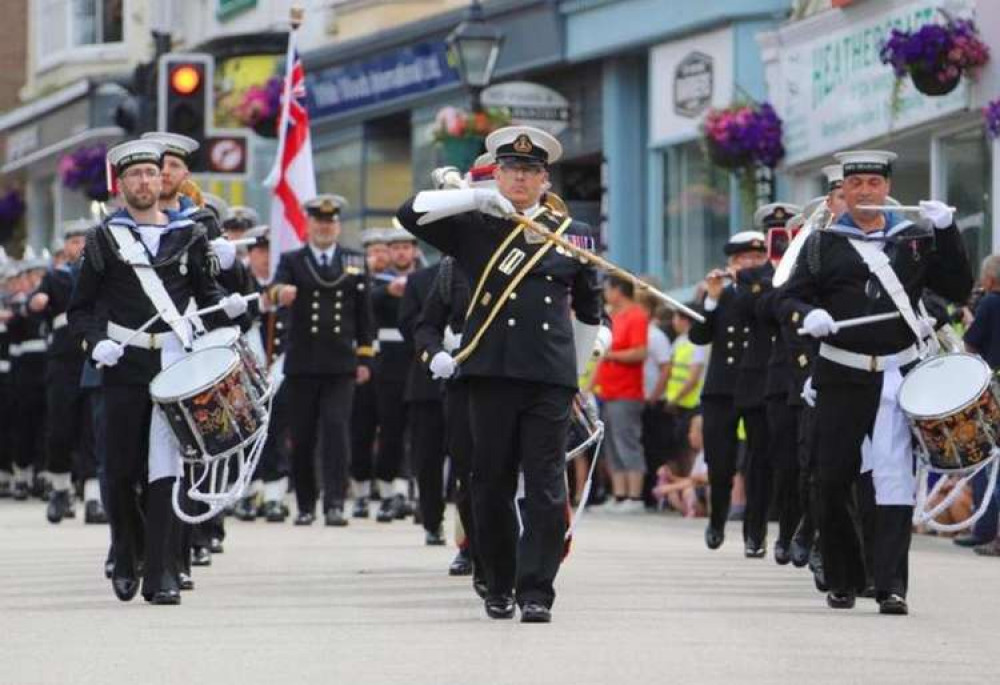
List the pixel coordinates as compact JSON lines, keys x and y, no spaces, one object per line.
{"x":619,"y":384}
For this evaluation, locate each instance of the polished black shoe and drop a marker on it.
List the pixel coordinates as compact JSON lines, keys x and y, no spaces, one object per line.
{"x":500,"y":606}
{"x":109,"y":569}
{"x":125,"y":587}
{"x":479,"y":587}
{"x":404,"y":508}
{"x":165,"y":598}
{"x":754,"y":550}
{"x":893,"y":605}
{"x":868,"y":592}
{"x":215,"y":546}
{"x":360,"y":510}
{"x":201,"y":556}
{"x":58,"y":506}
{"x":435,"y":538}
{"x":305,"y":518}
{"x":782,"y":557}
{"x":840,"y":600}
{"x":535,"y":612}
{"x":819,"y":579}
{"x":461,"y":565}
{"x":185,"y":581}
{"x":335,"y":517}
{"x":21,"y":491}
{"x":246,"y":509}
{"x":388,"y":508}
{"x":799,"y":552}
{"x":93,"y":513}
{"x":967,"y":540}
{"x":714,"y":538}
{"x":275,"y":512}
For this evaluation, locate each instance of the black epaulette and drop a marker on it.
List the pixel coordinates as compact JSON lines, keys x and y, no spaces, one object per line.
{"x":813,"y":254}
{"x":444,"y":278}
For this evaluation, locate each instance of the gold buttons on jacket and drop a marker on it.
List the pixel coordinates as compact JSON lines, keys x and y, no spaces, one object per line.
{"x":336,"y":305}
{"x":730,"y":329}
{"x":336,"y":329}
{"x":315,"y":305}
{"x":548,"y":300}
{"x":315,"y":317}
{"x":512,"y":296}
{"x":340,"y":293}
{"x":314,"y":330}
{"x":545,"y":326}
{"x":511,"y":322}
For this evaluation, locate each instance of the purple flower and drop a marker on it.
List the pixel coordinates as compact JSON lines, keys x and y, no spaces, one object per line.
{"x":11,"y":208}
{"x":84,"y":169}
{"x":991,"y":114}
{"x":744,"y":135}
{"x":945,"y":51}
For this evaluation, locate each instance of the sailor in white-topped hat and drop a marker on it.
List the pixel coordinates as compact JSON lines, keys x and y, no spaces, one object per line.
{"x":142,"y":260}
{"x":177,"y":161}
{"x":870,"y":261}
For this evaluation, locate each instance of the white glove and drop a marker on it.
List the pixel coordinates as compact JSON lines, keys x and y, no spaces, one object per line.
{"x":809,"y":392}
{"x":603,"y":342}
{"x":819,"y":324}
{"x":443,"y":365}
{"x":451,"y":340}
{"x":447,"y":177}
{"x":234,"y":305}
{"x":225,"y":251}
{"x":107,"y":353}
{"x":938,"y":213}
{"x":490,"y":201}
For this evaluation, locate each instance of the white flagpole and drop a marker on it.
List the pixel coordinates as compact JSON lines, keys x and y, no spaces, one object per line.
{"x":295,"y":21}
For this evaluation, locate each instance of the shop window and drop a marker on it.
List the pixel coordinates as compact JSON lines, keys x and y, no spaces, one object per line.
{"x":62,"y":25}
{"x":966,"y":165}
{"x":696,"y":207}
{"x":388,"y":167}
{"x":338,"y":170}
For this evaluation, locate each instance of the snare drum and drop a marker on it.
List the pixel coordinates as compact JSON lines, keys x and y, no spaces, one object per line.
{"x":208,"y":400}
{"x":229,"y":336}
{"x":952,"y":407}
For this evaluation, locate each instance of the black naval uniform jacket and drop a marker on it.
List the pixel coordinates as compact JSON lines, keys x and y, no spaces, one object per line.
{"x":445,"y":306}
{"x":420,"y":387}
{"x":531,"y":339}
{"x":28,"y":332}
{"x":751,"y":379}
{"x":725,"y":329}
{"x":108,"y":290}
{"x":331,"y":319}
{"x":395,"y":353}
{"x":66,"y":354}
{"x":830,"y":274}
{"x":281,"y":316}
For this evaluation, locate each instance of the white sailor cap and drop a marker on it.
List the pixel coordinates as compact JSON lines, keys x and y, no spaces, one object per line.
{"x":524,"y":143}
{"x":30,"y":261}
{"x":325,"y":206}
{"x":174,"y":144}
{"x":240,"y":217}
{"x":746,"y":241}
{"x":834,"y":176}
{"x":133,"y":152}
{"x":398,"y":234}
{"x":774,"y":215}
{"x":373,"y":236}
{"x":262,"y":234}
{"x":866,"y":162}
{"x":77,"y":227}
{"x":216,"y":205}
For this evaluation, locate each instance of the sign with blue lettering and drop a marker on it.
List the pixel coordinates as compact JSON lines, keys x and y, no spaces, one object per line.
{"x":400,"y":73}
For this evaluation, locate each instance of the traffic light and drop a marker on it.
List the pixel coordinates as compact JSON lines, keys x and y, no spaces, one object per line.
{"x":185,"y":94}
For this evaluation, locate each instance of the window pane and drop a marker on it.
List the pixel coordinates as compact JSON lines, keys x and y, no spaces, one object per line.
{"x":51,"y":28}
{"x":111,"y":21}
{"x":967,"y":183}
{"x":388,"y":165}
{"x":696,"y":215}
{"x":338,"y":170}
{"x":84,"y":22}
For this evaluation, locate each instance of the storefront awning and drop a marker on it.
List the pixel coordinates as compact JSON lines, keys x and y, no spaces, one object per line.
{"x":87,"y":136}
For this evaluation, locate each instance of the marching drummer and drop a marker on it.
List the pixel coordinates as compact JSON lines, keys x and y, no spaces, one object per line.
{"x":854,"y":269}
{"x":116,"y":293}
{"x":521,"y":353}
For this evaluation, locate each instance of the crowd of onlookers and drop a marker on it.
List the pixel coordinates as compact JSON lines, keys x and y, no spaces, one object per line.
{"x":648,"y":388}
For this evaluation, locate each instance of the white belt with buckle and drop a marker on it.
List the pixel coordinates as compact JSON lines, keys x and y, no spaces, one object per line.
{"x":390,"y":335}
{"x":145,"y":341}
{"x":867,"y":362}
{"x":60,"y":321}
{"x":28,"y":347}
{"x":4,"y":366}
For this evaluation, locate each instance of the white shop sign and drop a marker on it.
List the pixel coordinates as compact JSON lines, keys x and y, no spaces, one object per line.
{"x":834,"y":91}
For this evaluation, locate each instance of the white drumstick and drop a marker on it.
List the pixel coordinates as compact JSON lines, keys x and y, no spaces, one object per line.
{"x":217,"y":307}
{"x":242,"y":241}
{"x":895,"y":208}
{"x":860,"y":321}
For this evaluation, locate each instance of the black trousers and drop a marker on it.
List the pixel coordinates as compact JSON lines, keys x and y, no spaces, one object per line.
{"x":808,"y":482}
{"x":66,"y":404}
{"x":427,"y":444}
{"x":460,"y":449}
{"x":721,"y":423}
{"x":273,"y":464}
{"x":845,"y":414}
{"x":392,"y":429}
{"x":758,"y":474}
{"x":320,"y":408}
{"x":783,"y":445}
{"x":519,"y":424}
{"x":364,"y":427}
{"x":127,"y":410}
{"x":29,"y":426}
{"x":7,"y":446}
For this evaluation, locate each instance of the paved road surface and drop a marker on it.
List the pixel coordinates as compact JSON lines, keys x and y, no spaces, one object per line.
{"x":641,"y":600}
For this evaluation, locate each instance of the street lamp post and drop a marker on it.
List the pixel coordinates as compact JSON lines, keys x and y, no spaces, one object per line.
{"x":476,"y":46}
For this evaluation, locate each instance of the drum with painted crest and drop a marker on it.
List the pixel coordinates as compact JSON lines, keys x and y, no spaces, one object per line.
{"x":229,"y":336}
{"x":210,"y":404}
{"x":951,"y":404}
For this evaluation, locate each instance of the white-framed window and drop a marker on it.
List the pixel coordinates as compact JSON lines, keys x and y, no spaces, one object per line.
{"x":65,"y":27}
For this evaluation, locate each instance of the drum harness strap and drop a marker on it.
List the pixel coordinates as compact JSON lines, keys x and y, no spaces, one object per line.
{"x":134,"y":254}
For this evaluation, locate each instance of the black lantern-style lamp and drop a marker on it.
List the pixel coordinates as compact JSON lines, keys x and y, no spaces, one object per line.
{"x":476,"y":46}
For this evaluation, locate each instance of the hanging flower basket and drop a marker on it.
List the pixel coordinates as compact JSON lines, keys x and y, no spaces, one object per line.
{"x":11,"y":211}
{"x":741,"y":137}
{"x":991,"y":117}
{"x":261,"y":106}
{"x":936,"y":56}
{"x":84,"y":170}
{"x":460,"y":135}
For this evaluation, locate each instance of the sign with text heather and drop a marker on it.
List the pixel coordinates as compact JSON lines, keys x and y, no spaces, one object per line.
{"x":530,"y":104}
{"x":834,"y":91}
